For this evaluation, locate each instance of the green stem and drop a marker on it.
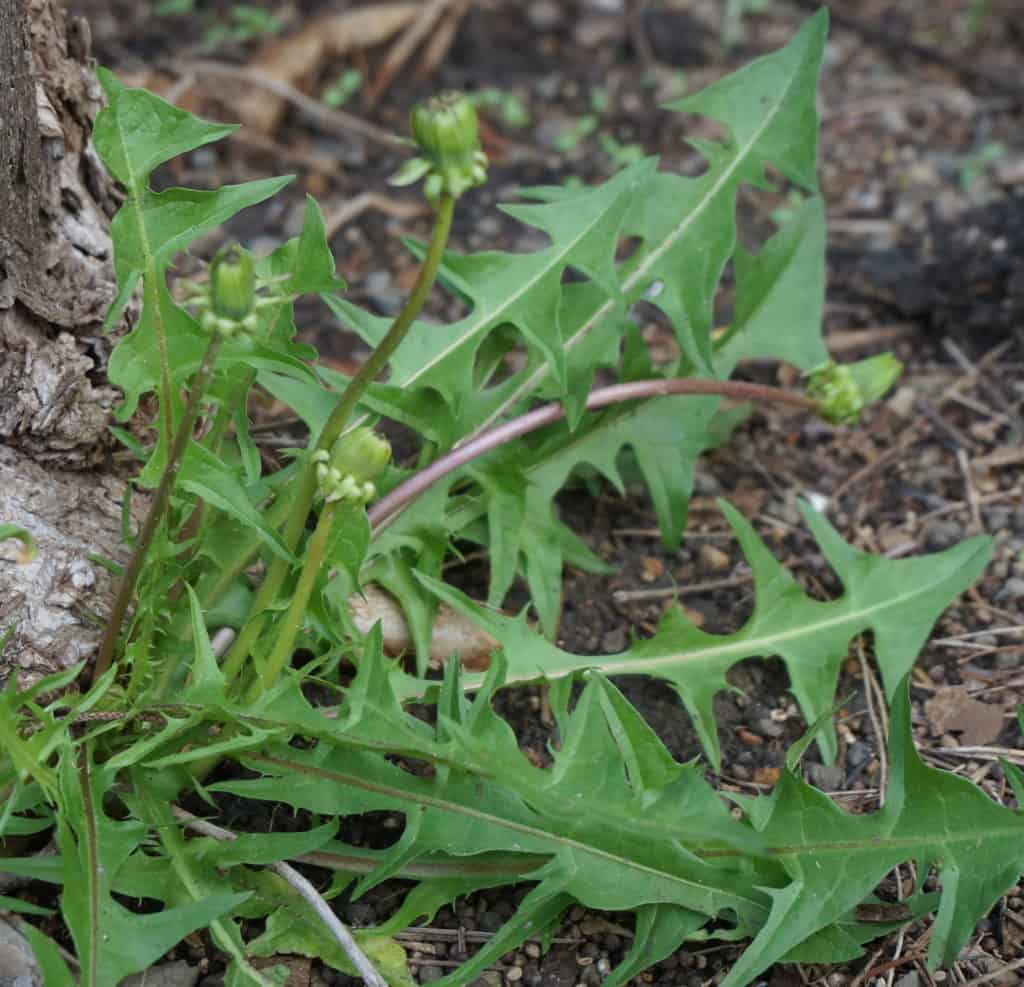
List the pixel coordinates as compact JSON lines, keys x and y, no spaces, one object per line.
{"x":335,"y":425}
{"x":378,"y":359}
{"x":213,"y":439}
{"x":126,"y":590}
{"x":292,"y":623}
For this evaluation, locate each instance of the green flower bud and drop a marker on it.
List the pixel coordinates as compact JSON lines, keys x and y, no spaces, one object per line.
{"x":445,"y":129}
{"x":344,"y":473}
{"x":842,"y":392}
{"x":361,"y":454}
{"x":232,"y":283}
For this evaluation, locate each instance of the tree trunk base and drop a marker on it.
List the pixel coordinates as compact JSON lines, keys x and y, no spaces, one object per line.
{"x":56,"y":283}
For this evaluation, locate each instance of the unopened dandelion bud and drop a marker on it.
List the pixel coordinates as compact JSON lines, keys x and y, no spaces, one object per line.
{"x":445,"y":130}
{"x":361,"y":454}
{"x":843,"y":391}
{"x":232,"y":284}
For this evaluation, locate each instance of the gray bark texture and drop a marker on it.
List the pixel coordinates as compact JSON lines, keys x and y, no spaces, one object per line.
{"x":56,"y":281}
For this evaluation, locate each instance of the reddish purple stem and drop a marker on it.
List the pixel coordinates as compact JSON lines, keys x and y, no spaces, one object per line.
{"x":387,"y":508}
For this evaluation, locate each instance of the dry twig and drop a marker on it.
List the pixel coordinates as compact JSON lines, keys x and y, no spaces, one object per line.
{"x":330,"y":121}
{"x":310,"y":894}
{"x":410,"y":38}
{"x":354,"y":208}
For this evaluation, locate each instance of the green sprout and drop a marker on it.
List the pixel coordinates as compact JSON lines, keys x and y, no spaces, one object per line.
{"x":247,"y":23}
{"x":339,"y":92}
{"x":580,"y":129}
{"x":510,"y":108}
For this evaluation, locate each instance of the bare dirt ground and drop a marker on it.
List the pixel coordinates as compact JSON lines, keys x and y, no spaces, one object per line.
{"x":923,"y":169}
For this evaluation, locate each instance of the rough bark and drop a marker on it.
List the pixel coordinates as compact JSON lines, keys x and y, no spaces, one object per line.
{"x":56,"y":271}
{"x":56,"y":281}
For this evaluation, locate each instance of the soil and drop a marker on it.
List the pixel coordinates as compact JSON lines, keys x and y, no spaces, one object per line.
{"x":923,"y":171}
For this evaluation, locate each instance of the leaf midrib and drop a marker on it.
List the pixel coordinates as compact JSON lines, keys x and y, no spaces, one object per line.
{"x":745,"y":647}
{"x":491,"y":819}
{"x":645,"y":265}
{"x":556,"y":261}
{"x":764,"y":644}
{"x":149,"y":277}
{"x":871,"y":843}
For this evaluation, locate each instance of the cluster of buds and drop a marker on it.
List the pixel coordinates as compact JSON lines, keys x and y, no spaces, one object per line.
{"x":445,"y":130}
{"x":229,"y":303}
{"x":346,"y":472}
{"x":842,"y":391}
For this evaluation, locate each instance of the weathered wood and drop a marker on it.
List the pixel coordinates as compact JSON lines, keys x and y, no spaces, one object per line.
{"x":56,"y":282}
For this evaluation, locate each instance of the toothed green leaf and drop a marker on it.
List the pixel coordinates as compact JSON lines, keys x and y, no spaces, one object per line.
{"x":206,"y":476}
{"x":522,"y":290}
{"x":898,"y":600}
{"x":111,"y":941}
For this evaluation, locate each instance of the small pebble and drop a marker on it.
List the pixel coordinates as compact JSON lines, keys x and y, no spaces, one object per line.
{"x":490,"y":922}
{"x":1012,"y":589}
{"x":767,"y":727}
{"x":489,"y":979}
{"x":489,"y":227}
{"x":514,"y":974}
{"x":749,"y":738}
{"x":17,"y":961}
{"x":544,"y":15}
{"x":942,"y":534}
{"x":826,"y":777}
{"x":382,"y":291}
{"x":996,"y":518}
{"x":1007,"y":660}
{"x":857,"y":754}
{"x":428,"y":974}
{"x":614,"y":640}
{"x":714,"y":558}
{"x":706,"y":485}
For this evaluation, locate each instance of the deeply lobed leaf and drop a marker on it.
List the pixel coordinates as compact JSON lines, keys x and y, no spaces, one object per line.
{"x":898,"y":600}
{"x":614,"y":823}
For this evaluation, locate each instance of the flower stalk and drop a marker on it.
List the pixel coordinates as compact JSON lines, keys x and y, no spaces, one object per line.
{"x":390,"y":506}
{"x":305,"y":492}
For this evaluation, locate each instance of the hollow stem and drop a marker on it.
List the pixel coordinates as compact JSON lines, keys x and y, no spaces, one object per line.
{"x":389,"y":507}
{"x":126,"y":589}
{"x":335,"y":425}
{"x":292,"y":621}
